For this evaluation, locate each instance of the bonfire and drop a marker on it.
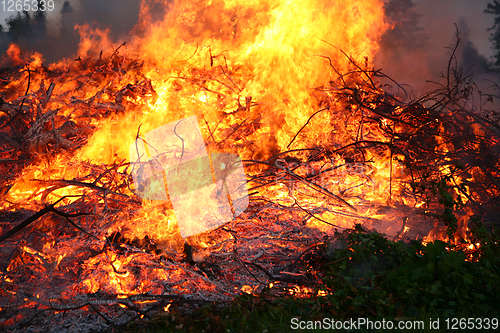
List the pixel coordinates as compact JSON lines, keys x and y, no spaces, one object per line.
{"x":99,"y":225}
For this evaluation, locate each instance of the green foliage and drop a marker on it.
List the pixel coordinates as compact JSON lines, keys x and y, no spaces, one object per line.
{"x":441,"y":187}
{"x":367,"y":276}
{"x":439,"y":281}
{"x":434,"y":278}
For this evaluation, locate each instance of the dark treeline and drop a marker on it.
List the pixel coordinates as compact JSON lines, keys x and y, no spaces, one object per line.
{"x":30,"y":30}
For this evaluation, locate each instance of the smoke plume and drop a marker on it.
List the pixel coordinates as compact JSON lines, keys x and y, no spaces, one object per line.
{"x":30,"y":31}
{"x":424,"y":33}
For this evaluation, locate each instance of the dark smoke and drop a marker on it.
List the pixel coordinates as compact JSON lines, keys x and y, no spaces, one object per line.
{"x":31,"y":34}
{"x":469,"y":58}
{"x":415,"y":50}
{"x":25,"y":29}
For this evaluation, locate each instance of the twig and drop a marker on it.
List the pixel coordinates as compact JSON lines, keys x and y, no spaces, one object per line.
{"x":245,"y":266}
{"x":116,"y":51}
{"x":49,"y":93}
{"x":182,"y":139}
{"x":353,"y":62}
{"x":27,"y":88}
{"x":402,"y":228}
{"x":307,"y":122}
{"x":237,"y":127}
{"x":272,"y":277}
{"x":65,"y":183}
{"x":33,"y":218}
{"x":239,"y":89}
{"x":67,"y":217}
{"x":312,"y":215}
{"x":318,"y":188}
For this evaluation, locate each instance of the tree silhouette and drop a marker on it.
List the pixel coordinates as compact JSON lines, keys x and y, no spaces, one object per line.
{"x":406,"y":32}
{"x":494,"y":8}
{"x":26,"y":30}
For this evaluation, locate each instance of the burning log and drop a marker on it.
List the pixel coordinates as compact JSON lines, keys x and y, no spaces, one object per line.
{"x":37,"y":142}
{"x":8,"y":109}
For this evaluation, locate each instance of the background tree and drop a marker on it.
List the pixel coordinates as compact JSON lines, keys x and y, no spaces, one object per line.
{"x":27,"y":31}
{"x":494,"y":8}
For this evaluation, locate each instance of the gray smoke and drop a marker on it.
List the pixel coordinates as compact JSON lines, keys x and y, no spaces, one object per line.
{"x":469,"y":58}
{"x":417,"y":49}
{"x":62,"y":41}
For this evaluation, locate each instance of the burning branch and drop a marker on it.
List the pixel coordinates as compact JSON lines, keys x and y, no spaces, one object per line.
{"x":48,"y":209}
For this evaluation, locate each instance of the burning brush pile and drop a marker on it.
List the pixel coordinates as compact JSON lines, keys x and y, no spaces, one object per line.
{"x":96,"y":234}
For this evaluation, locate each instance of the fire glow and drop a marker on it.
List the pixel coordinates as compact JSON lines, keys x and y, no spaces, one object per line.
{"x":289,"y":86}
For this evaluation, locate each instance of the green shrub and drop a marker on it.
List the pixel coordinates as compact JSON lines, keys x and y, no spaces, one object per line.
{"x":363,"y":274}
